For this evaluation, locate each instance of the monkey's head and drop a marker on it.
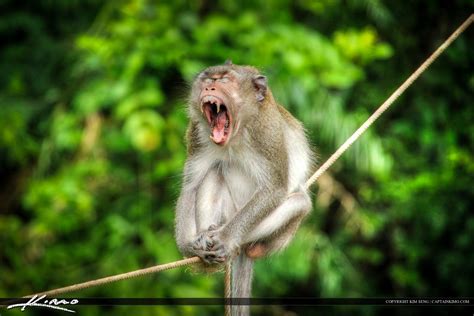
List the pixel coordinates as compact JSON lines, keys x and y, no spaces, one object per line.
{"x":225,"y":97}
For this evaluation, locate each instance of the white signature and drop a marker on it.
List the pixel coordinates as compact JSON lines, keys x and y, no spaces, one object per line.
{"x":53,"y":303}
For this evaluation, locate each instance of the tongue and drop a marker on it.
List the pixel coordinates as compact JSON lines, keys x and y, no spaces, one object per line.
{"x":218,"y":130}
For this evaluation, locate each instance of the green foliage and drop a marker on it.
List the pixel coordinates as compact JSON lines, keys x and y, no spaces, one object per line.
{"x":92,"y":124}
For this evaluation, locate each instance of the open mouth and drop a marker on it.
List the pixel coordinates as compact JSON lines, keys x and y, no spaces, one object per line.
{"x":218,"y":118}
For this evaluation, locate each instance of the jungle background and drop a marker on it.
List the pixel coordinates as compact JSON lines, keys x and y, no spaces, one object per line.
{"x":92,"y":124}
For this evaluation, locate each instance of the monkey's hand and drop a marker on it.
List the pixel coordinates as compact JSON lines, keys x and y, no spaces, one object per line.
{"x":205,"y":247}
{"x":224,"y":248}
{"x":212,"y":247}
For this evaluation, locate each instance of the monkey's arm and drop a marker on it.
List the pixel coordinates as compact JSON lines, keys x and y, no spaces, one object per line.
{"x":185,"y":228}
{"x":264,"y":221}
{"x":296,"y":206}
{"x":227,"y":239}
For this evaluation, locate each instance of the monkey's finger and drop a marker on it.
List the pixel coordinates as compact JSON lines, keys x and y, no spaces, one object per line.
{"x":218,"y":247}
{"x":197,"y":241}
{"x":209,"y":257}
{"x":212,"y":227}
{"x":213,"y":258}
{"x":219,"y":259}
{"x":209,"y":244}
{"x":198,"y":246}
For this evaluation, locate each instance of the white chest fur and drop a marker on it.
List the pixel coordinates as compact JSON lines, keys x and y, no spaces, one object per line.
{"x":240,"y":184}
{"x":223,"y":191}
{"x":225,"y":179}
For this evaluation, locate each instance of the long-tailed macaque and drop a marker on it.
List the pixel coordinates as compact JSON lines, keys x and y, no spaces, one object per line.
{"x":248,"y":159}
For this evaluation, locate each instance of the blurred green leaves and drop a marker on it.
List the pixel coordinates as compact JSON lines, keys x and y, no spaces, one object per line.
{"x":16,"y":145}
{"x":92,"y":124}
{"x":144,"y":129}
{"x":361,"y":46}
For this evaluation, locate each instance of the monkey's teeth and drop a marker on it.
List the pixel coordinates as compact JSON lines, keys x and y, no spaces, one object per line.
{"x":218,"y":107}
{"x":226,"y":124}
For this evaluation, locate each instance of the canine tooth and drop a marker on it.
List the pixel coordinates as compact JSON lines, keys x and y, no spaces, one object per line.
{"x":218,"y":107}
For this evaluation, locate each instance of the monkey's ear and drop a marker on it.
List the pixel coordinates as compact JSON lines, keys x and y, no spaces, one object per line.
{"x":260,"y":83}
{"x":228,"y":62}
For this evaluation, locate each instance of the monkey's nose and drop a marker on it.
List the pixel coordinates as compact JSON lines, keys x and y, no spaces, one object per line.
{"x":210,"y":88}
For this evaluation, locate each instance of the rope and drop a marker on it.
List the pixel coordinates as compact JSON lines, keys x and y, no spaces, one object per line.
{"x":388,"y":103}
{"x":228,"y":288}
{"x":308,"y":183}
{"x":119,"y":277}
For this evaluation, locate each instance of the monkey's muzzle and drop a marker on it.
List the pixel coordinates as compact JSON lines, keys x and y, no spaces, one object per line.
{"x":218,"y":118}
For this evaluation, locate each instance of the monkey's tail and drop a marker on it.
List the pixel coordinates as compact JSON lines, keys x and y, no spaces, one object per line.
{"x":242,"y":273}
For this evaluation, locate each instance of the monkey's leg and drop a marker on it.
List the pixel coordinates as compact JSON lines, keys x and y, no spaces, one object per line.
{"x":277,"y":241}
{"x":214,"y":203}
{"x":185,"y":228}
{"x":213,"y":206}
{"x":282,"y":219}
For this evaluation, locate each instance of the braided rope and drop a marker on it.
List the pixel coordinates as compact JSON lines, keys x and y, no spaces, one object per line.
{"x":228,"y":288}
{"x":118,"y":277}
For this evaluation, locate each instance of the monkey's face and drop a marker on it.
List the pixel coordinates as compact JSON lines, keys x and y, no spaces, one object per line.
{"x":216,"y":99}
{"x":227,"y":96}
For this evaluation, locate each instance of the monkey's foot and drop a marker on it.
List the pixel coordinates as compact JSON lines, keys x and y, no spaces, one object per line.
{"x":256,"y":251}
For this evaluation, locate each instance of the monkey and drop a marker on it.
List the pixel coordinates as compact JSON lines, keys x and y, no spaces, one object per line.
{"x":243,"y":194}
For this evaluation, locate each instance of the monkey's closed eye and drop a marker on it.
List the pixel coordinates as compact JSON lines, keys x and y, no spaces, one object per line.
{"x":223,"y":79}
